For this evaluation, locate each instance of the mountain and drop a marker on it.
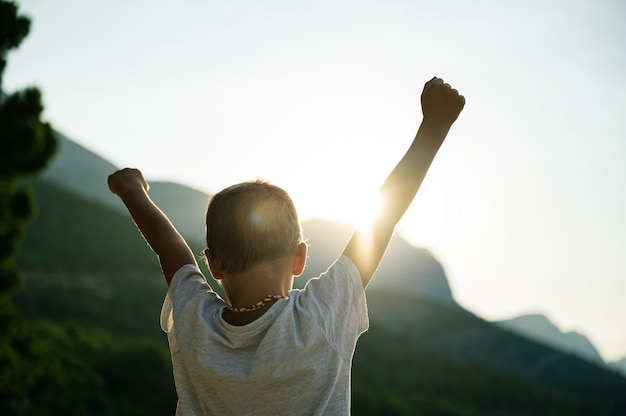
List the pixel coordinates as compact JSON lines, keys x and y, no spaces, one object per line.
{"x":404,"y":269}
{"x":85,"y":263}
{"x":78,"y":169}
{"x":539,"y":328}
{"x":83,"y":172}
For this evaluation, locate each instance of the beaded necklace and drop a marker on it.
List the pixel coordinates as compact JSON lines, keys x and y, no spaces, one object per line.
{"x":257,"y":305}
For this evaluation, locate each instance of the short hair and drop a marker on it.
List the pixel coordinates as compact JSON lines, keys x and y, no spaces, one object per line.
{"x":251,"y":222}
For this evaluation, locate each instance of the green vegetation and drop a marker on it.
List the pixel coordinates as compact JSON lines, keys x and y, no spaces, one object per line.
{"x":86,"y":264}
{"x":393,"y":376}
{"x":96,"y":283}
{"x":64,"y":369}
{"x":27,"y":144}
{"x":74,"y":234}
{"x":47,"y":368}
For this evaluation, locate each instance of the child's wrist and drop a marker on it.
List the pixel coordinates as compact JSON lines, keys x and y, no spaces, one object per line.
{"x":435,"y":128}
{"x":131,"y":192}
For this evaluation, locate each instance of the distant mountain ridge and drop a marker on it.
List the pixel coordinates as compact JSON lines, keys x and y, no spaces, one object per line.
{"x":540,"y":328}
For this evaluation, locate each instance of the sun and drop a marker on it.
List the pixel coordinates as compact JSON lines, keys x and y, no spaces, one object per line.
{"x":357,"y":207}
{"x":369,"y":207}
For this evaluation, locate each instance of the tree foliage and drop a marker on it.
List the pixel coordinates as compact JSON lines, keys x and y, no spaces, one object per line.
{"x":27,"y":142}
{"x":65,"y":369}
{"x":13,"y":29}
{"x":26,"y":145}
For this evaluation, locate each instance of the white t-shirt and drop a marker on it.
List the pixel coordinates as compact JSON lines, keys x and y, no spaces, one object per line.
{"x":294,"y":360}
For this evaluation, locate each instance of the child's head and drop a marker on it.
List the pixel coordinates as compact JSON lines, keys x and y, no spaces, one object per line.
{"x":251,"y":222}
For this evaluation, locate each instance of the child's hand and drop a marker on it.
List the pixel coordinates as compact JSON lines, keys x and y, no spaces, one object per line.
{"x":127,"y":181}
{"x":441,"y":104}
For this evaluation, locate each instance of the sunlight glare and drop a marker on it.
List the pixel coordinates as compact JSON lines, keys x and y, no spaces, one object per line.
{"x":357,"y":207}
{"x":367,"y":211}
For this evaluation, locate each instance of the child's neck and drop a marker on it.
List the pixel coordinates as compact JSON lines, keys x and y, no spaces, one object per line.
{"x":248,"y":288}
{"x":245,"y":318}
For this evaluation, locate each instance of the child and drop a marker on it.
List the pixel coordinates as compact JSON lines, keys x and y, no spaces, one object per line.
{"x":269,"y":349}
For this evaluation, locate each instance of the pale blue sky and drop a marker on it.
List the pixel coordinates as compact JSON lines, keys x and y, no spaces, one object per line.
{"x":525,"y":203}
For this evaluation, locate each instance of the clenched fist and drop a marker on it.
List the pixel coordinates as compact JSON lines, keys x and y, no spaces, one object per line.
{"x":127,"y":181}
{"x":441,"y":104}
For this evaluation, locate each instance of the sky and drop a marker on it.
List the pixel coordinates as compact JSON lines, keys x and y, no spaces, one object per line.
{"x":524,"y":204}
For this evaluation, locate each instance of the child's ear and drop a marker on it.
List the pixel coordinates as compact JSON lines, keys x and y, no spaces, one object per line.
{"x":299,"y":260}
{"x":214,"y":264}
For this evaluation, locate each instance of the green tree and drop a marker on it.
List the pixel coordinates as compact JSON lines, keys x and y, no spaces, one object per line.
{"x":13,"y":29}
{"x":47,"y":368}
{"x":26,"y":146}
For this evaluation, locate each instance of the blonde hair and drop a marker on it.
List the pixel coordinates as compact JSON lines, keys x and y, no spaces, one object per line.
{"x":250,"y":222}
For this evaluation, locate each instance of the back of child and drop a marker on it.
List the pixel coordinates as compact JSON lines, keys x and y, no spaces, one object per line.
{"x":268,"y":349}
{"x":295,"y":358}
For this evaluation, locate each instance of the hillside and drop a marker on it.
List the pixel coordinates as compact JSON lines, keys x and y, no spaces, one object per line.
{"x":431,"y":325}
{"x":80,"y":170}
{"x":393,"y":376}
{"x":98,"y":273}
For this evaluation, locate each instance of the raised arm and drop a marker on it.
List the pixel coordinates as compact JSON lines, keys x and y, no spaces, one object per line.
{"x":441,"y":106}
{"x":170,"y":247}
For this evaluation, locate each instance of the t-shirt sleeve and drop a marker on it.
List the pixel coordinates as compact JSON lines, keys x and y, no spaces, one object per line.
{"x":336,"y":300}
{"x":186,"y":283}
